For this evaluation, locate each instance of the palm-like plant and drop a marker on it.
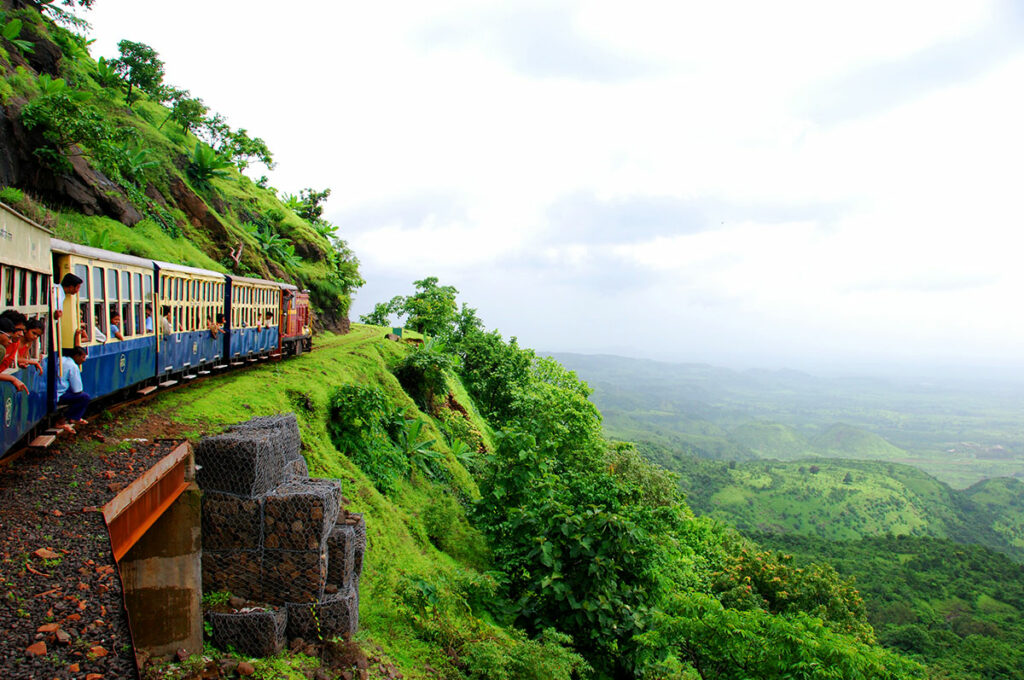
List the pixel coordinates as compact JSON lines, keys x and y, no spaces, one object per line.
{"x":205,"y":164}
{"x":10,"y":32}
{"x":420,"y":450}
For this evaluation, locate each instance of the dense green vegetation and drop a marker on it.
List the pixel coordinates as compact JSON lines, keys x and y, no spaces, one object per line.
{"x":959,"y":609}
{"x":960,"y":432}
{"x":162,"y":175}
{"x":522,"y":544}
{"x":837,"y":499}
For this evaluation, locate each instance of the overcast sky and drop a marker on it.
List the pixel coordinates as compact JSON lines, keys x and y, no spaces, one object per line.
{"x":803,"y":184}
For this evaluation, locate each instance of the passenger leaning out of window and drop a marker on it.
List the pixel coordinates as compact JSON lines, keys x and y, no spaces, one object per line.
{"x":69,"y":385}
{"x":29,"y":354}
{"x":115,"y":327}
{"x":7,"y":339}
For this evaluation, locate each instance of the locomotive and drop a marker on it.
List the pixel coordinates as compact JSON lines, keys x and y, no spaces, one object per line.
{"x":258,"y":320}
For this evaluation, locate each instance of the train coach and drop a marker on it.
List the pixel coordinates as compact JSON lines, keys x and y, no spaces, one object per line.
{"x":25,"y":286}
{"x":144,"y":323}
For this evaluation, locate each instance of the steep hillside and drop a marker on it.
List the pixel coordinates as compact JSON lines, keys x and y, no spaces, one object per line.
{"x":848,"y":500}
{"x":107,"y":154}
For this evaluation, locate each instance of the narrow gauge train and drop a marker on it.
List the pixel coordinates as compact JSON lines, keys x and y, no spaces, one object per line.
{"x":260,"y":320}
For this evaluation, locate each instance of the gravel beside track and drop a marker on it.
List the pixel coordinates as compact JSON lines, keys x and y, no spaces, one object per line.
{"x":62,"y":614}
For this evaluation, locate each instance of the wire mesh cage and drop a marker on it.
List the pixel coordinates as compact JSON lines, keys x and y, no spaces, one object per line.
{"x":276,"y":539}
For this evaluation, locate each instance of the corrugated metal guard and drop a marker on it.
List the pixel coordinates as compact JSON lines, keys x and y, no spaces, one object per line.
{"x":134,"y":510}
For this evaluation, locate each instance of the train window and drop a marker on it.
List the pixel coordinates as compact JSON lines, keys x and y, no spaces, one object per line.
{"x":84,"y":320}
{"x":136,"y":286}
{"x":97,"y":279}
{"x":140,"y":325}
{"x":100,"y":318}
{"x":111,"y":284}
{"x":126,"y":286}
{"x":147,"y":286}
{"x":33,"y":288}
{"x":8,"y":276}
{"x":22,"y":285}
{"x":126,"y":319}
{"x":82,"y":272}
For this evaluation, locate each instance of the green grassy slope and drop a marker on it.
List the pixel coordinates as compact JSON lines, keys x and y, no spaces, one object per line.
{"x":849,"y":500}
{"x":398,"y":527}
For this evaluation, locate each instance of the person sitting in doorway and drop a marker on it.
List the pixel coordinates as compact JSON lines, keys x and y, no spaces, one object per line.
{"x":115,"y":327}
{"x":69,"y":386}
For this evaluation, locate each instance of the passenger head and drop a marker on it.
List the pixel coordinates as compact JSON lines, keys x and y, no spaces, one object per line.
{"x":166,"y":311}
{"x":149,"y":310}
{"x":220,"y":318}
{"x":115,"y":319}
{"x":70,"y":283}
{"x":35,"y":329}
{"x":14,"y":316}
{"x":78,"y":354}
{"x":6,"y":331}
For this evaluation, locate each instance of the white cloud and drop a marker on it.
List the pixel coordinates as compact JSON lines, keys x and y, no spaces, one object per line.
{"x":907,"y":227}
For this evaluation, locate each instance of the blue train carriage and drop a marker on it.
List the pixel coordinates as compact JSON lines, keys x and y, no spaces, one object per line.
{"x":25,"y":286}
{"x":195,"y":299}
{"x":255,"y":316}
{"x":114,"y":311}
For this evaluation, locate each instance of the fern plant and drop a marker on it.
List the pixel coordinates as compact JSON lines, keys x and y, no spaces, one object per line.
{"x":10,"y":33}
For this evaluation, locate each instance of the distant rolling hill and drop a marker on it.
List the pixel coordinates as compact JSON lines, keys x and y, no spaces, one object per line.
{"x":957,"y":431}
{"x":837,"y":499}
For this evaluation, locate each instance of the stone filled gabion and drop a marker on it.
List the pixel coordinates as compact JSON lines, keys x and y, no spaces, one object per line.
{"x":336,"y":614}
{"x":341,"y":551}
{"x":248,"y":464}
{"x":286,"y":424}
{"x":294,"y":575}
{"x":232,"y":522}
{"x":273,"y":535}
{"x":253,"y":633}
{"x":300,"y":513}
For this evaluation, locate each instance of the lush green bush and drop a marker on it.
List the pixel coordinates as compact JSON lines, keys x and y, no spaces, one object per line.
{"x":423,"y":374}
{"x":362,"y":423}
{"x":519,"y":658}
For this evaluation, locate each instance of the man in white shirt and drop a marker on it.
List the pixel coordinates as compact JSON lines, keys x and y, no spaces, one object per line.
{"x":69,"y":385}
{"x":69,"y":285}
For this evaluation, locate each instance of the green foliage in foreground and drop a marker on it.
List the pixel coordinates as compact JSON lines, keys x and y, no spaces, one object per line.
{"x":959,"y":609}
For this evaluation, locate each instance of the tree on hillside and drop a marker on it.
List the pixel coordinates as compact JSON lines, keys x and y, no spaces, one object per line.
{"x":140,"y":68}
{"x":186,"y":111}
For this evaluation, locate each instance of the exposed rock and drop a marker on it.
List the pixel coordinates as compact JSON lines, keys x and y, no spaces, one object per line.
{"x":45,"y":57}
{"x":198,"y":212}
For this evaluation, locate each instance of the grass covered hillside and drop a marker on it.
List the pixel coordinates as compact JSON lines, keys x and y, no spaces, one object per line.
{"x":847,"y":500}
{"x":106,"y":153}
